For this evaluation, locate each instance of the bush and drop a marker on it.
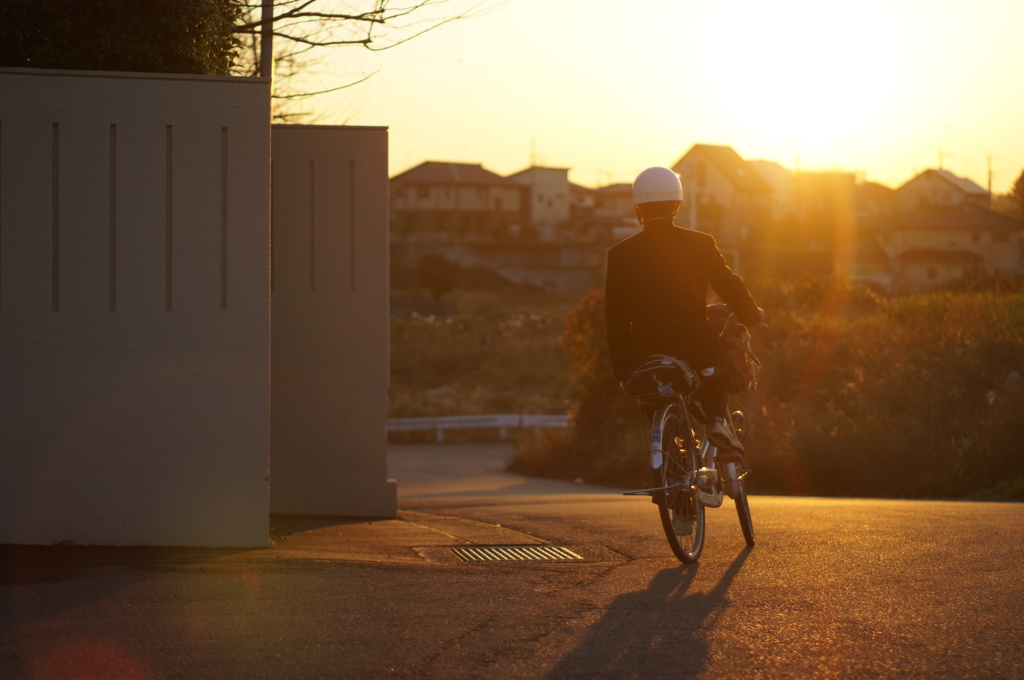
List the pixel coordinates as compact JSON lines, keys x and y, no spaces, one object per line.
{"x":162,"y":36}
{"x":860,"y":395}
{"x":601,"y":446}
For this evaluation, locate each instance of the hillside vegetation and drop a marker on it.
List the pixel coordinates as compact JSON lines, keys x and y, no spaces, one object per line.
{"x":494,"y":352}
{"x":916,"y":396}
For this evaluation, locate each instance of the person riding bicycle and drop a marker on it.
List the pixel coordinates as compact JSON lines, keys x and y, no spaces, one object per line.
{"x":656,"y":290}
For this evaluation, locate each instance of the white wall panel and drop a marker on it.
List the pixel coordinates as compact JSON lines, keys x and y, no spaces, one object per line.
{"x":330,"y":322}
{"x":134,"y":369}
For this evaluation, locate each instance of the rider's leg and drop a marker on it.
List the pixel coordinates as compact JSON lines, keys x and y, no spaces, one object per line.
{"x":714,"y":397}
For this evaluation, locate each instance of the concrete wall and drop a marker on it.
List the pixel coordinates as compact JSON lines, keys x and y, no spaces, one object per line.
{"x":134,"y":315}
{"x":330,"y":322}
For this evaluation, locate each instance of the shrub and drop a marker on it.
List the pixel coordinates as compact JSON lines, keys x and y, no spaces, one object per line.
{"x":601,"y":446}
{"x":165,"y":36}
{"x":860,"y":395}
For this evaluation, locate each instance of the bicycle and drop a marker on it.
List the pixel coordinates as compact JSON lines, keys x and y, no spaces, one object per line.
{"x":688,"y":473}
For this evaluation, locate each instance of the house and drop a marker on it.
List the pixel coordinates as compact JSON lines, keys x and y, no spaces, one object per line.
{"x":939,"y":187}
{"x":445,"y":203}
{"x":807,"y":221}
{"x":604,"y":215}
{"x":783,"y":184}
{"x":723,"y":194}
{"x":933,"y":230}
{"x":548,"y":198}
{"x":614,"y":202}
{"x":865,"y":261}
{"x":938,"y":244}
{"x":517,"y":226}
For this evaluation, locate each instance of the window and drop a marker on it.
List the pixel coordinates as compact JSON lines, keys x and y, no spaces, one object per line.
{"x":932,"y":273}
{"x":423,"y":192}
{"x":975,"y":236}
{"x":1000,"y":236}
{"x":497,"y":203}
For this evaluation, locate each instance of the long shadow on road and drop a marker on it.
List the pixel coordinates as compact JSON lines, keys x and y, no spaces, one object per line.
{"x":660,"y":631}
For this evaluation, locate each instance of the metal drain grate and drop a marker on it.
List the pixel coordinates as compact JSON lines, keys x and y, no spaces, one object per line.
{"x":497,"y":553}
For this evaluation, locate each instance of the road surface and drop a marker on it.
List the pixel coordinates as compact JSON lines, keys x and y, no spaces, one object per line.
{"x":835,"y":588}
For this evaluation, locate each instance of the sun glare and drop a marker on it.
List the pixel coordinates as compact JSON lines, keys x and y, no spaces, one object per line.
{"x":800,"y":69}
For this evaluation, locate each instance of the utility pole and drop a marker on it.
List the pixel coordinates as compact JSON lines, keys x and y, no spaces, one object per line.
{"x":267,"y":40}
{"x":988,"y":160}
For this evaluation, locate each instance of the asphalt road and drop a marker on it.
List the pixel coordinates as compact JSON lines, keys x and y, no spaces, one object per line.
{"x":833,"y":589}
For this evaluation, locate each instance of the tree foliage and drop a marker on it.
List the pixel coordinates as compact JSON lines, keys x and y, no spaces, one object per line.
{"x":1017,"y":193}
{"x":169,"y":36}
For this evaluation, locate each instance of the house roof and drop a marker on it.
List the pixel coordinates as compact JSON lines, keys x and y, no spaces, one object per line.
{"x":621,"y":188}
{"x":534,"y":168}
{"x":739,"y":173}
{"x":962,"y":183}
{"x":439,"y":172}
{"x":872,"y":192}
{"x":955,"y":217}
{"x":780,"y":178}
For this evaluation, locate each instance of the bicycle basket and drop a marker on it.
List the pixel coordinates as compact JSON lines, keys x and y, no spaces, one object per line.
{"x":740,"y":366}
{"x":661,"y":377}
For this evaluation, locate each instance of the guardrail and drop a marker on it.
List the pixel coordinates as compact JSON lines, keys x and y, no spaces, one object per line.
{"x":502,"y":422}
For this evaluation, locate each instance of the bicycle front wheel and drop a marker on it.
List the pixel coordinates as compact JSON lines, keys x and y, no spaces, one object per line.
{"x":682,"y":515}
{"x":743,"y":512}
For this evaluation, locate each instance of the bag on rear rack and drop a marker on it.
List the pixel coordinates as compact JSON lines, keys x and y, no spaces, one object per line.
{"x":740,"y":366}
{"x":661,"y":377}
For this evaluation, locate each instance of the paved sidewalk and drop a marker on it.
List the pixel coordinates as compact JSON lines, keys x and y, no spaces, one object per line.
{"x":425,"y":473}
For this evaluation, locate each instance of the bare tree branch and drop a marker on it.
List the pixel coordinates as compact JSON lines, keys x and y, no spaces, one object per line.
{"x":303,"y":95}
{"x":302,"y":27}
{"x":320,"y":43}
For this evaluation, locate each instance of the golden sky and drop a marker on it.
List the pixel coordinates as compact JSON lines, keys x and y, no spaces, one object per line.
{"x":877,"y":87}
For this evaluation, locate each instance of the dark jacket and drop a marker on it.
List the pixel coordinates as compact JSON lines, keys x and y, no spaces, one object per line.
{"x":656,"y":293}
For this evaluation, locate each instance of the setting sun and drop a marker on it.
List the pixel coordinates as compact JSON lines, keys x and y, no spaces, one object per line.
{"x":884,"y":89}
{"x":801,"y":70}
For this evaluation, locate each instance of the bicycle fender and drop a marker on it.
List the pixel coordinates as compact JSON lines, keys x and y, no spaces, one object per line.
{"x":657,"y":430}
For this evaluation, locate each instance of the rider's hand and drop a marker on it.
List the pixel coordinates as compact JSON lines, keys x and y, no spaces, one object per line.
{"x":760,"y":322}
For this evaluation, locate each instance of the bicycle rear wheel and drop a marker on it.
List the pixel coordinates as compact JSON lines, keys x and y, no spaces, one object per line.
{"x":682,"y":515}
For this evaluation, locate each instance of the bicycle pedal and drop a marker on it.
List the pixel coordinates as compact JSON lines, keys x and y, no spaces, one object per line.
{"x":707,"y":476}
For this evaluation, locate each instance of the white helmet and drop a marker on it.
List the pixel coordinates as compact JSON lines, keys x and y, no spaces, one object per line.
{"x":657,"y":184}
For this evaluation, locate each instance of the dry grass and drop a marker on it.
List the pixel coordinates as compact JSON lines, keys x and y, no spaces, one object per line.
{"x":498,"y":353}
